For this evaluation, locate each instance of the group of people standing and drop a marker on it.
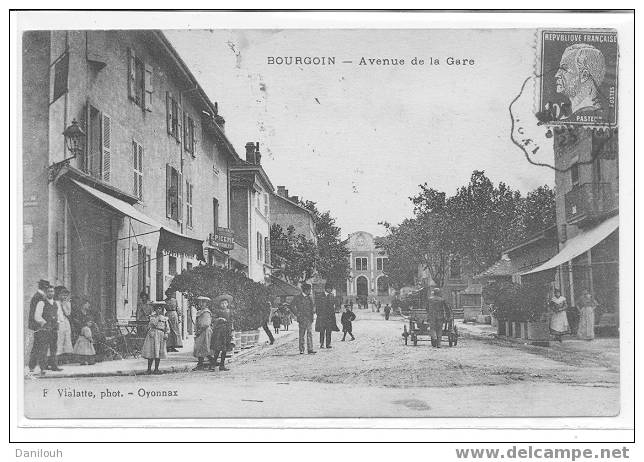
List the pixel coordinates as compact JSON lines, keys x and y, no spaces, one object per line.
{"x":60,"y":333}
{"x":322,"y":310}
{"x":560,"y":325}
{"x":214,"y":330}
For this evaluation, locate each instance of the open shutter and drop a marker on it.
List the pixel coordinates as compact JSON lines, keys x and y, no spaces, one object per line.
{"x":135,"y":168}
{"x":179,"y":123}
{"x":168,"y":111}
{"x":185,"y":132}
{"x":168,"y":189}
{"x":140,"y":156}
{"x":131,"y":73}
{"x":148,"y":87}
{"x":180,"y":197}
{"x":107,"y":146}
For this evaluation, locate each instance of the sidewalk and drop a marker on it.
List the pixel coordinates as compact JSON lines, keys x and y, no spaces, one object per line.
{"x":600,"y":345}
{"x":182,"y":361}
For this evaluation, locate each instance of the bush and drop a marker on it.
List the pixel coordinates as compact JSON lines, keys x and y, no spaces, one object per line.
{"x":250,"y":307}
{"x":517,"y":302}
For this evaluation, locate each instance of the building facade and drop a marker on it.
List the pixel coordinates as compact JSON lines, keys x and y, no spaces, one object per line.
{"x":587,"y":192}
{"x":251,"y":192}
{"x":148,"y":190}
{"x":286,"y":211}
{"x":367,"y":278}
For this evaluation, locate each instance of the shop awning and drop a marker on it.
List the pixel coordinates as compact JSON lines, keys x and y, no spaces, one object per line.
{"x":580,"y":244}
{"x":282,"y":288}
{"x":169,"y":240}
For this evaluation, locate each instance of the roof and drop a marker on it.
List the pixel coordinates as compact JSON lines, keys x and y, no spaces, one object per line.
{"x":503,"y":267}
{"x":160,"y":36}
{"x":536,"y":237}
{"x":243,"y":166}
{"x":282,"y":288}
{"x":580,"y":243}
{"x":289,"y":201}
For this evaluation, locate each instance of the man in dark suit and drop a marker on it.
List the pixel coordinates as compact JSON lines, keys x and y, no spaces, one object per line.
{"x":325,"y":322}
{"x":437,"y":312}
{"x":304,"y":310}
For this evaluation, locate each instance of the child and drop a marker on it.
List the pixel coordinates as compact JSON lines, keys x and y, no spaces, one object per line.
{"x":84,"y":348}
{"x":203,"y":335}
{"x":277,"y":322}
{"x":154,"y":346}
{"x":347,"y":318}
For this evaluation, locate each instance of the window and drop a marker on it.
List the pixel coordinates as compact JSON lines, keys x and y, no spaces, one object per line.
{"x":258,"y":200}
{"x":137,"y":166}
{"x":173,"y":117}
{"x":267,"y":251}
{"x":27,"y":234}
{"x":265,"y":204}
{"x":188,"y":134}
{"x":173,"y":193}
{"x":188,"y":266}
{"x":455,"y":268}
{"x":215,"y":214}
{"x":381,"y":263}
{"x":361,"y":264}
{"x":574,"y":174}
{"x":97,"y":160}
{"x":61,"y":70}
{"x":260,"y":245}
{"x":139,"y":81}
{"x":172,"y":265}
{"x":189,"y":191}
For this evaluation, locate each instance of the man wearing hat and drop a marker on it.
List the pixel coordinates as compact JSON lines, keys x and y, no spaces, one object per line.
{"x":43,"y":320}
{"x":437,"y":311}
{"x":222,"y":329}
{"x":325,"y":322}
{"x":39,"y":296}
{"x":304,"y":311}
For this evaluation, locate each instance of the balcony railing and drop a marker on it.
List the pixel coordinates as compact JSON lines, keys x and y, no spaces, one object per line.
{"x":589,"y":202}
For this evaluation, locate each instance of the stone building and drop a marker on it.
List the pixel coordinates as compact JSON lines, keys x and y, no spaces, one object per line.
{"x":287,"y":211}
{"x":251,"y":192}
{"x":587,"y":192}
{"x":146,"y":192}
{"x":367,"y":279}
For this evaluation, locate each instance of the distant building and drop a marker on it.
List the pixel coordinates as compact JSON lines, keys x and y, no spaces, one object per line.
{"x":251,"y":192}
{"x":287,"y":211}
{"x":367,"y":278}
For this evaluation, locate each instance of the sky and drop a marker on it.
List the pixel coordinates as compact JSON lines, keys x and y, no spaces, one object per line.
{"x":359,"y":140}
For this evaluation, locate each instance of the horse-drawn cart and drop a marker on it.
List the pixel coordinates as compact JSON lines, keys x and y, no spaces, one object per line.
{"x":417,"y":329}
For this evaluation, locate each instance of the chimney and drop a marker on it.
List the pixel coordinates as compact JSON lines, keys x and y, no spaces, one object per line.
{"x":296,"y":199}
{"x":250,"y":152}
{"x":219,"y":120}
{"x":258,"y":155}
{"x":281,"y":191}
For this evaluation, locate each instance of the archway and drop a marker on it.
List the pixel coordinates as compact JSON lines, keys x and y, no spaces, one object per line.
{"x":362,"y":288}
{"x":383,"y":286}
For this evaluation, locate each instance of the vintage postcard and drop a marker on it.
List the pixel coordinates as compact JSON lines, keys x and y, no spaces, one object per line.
{"x":271,"y":222}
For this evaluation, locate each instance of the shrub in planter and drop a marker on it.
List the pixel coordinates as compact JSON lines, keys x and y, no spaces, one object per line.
{"x":250,"y":307}
{"x":517,"y":302}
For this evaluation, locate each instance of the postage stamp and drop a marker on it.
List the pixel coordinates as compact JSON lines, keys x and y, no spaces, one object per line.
{"x":579,"y":77}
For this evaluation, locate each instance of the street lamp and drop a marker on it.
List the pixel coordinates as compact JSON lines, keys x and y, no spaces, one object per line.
{"x":74,"y":137}
{"x":74,"y":140}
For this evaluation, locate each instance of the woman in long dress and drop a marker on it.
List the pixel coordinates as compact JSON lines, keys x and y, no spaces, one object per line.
{"x":154,"y":346}
{"x":64,"y":345}
{"x":586,"y":305}
{"x":559,"y":320}
{"x":172,"y":313}
{"x":203,"y":334}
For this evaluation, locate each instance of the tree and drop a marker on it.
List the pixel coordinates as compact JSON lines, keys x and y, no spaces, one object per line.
{"x":539,"y":211}
{"x":293,"y":256}
{"x":333,"y":261}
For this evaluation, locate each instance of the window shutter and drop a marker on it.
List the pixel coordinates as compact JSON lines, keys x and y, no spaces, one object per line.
{"x":192,"y":136}
{"x":186,"y":139}
{"x":131,"y":74}
{"x":140,"y":156}
{"x":179,"y":123}
{"x":180,"y":197}
{"x":135,"y":169}
{"x":168,"y":187}
{"x":148,"y":87}
{"x":168,"y":110}
{"x":107,"y":146}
